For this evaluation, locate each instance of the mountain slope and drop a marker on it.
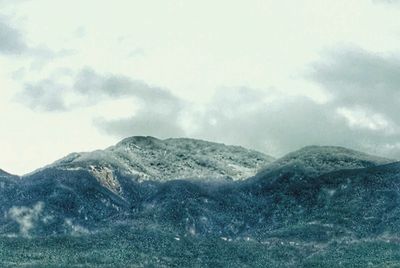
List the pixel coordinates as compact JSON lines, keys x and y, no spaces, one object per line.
{"x":345,"y":204}
{"x":267,"y":203}
{"x":87,"y":188}
{"x":305,"y":209}
{"x":7,"y":179}
{"x":4,"y":174}
{"x":314,"y":186}
{"x":149,"y":158}
{"x":317,"y":160}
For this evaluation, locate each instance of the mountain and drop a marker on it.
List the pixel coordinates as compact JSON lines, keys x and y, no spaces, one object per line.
{"x":298,"y":188}
{"x":83,"y":189}
{"x":4,"y":174}
{"x":309,"y":221}
{"x":350,"y":204}
{"x":149,"y":158}
{"x":306,"y":209}
{"x":316,"y":160}
{"x":8,"y":184}
{"x":6,"y":179}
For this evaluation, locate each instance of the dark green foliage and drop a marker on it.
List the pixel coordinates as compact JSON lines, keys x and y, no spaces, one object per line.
{"x":300,"y":212}
{"x":155,"y":248}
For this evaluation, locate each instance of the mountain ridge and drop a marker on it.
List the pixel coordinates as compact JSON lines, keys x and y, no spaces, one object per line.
{"x":316,"y":160}
{"x":317,"y":201}
{"x":150,"y":158}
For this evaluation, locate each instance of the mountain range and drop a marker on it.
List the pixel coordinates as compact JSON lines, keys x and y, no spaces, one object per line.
{"x":171,"y":200}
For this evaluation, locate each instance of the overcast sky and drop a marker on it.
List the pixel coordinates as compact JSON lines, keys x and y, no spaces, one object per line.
{"x":269,"y":75}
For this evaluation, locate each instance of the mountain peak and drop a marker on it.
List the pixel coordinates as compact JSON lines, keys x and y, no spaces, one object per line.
{"x":328,"y":149}
{"x":322,"y":159}
{"x":336,"y":152}
{"x":175,"y":158}
{"x":139,"y":140}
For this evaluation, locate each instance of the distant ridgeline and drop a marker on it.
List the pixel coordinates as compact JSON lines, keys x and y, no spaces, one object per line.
{"x":310,"y":204}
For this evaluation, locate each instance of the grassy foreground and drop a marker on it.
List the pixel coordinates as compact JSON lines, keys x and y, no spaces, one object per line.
{"x":161,"y":249}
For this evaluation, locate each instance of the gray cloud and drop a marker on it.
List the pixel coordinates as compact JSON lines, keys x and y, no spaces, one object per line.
{"x":95,"y":85}
{"x":369,"y":84}
{"x":281,"y":126}
{"x":45,"y":95}
{"x":357,"y":78}
{"x":12,"y":42}
{"x":241,"y":116}
{"x":362,"y":113}
{"x":158,"y":112}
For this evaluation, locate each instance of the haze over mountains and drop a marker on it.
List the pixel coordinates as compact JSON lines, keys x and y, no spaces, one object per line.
{"x":310,"y":203}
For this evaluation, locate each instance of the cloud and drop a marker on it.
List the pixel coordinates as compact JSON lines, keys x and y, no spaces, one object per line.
{"x":361,"y":80}
{"x":158,"y":113}
{"x":96,"y":86}
{"x":45,"y":95}
{"x":26,"y":217}
{"x":75,"y":229}
{"x":365,"y":90}
{"x":261,"y":120}
{"x":362,"y":112}
{"x":275,"y":126}
{"x":157,"y":110}
{"x":12,"y":42}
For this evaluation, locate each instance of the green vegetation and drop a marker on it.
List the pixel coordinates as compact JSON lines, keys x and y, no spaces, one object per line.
{"x":155,"y":248}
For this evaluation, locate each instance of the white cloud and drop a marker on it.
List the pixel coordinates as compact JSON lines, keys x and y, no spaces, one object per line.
{"x":26,"y":217}
{"x":75,"y":229}
{"x":360,"y":118}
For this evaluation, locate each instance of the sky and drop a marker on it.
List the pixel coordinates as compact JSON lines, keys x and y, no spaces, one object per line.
{"x":268,"y":75}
